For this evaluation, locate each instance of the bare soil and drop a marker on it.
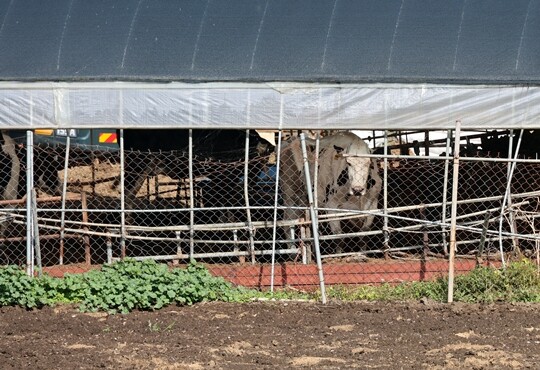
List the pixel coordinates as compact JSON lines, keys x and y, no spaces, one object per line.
{"x":276,"y":335}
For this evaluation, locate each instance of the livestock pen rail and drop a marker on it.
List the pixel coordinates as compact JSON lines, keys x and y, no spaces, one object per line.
{"x":373,"y":217}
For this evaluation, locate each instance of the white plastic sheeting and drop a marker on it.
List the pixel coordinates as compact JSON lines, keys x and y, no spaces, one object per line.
{"x":267,"y":106}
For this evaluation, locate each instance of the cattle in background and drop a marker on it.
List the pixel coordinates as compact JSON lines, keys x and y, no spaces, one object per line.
{"x":497,"y":143}
{"x":346,"y":181}
{"x":152,"y":152}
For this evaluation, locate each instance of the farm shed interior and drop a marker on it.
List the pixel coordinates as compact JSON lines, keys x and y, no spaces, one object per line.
{"x":276,"y":65}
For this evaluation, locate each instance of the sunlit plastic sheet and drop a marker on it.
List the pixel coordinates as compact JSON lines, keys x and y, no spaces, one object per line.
{"x":279,"y":105}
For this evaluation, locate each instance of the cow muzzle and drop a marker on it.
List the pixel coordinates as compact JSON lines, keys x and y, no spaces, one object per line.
{"x":356,"y":192}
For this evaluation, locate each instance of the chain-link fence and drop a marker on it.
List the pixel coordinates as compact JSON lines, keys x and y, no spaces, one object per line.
{"x":259,"y":216}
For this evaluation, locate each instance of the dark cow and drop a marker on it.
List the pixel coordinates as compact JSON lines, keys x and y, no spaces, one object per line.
{"x":497,"y":143}
{"x":154,"y":152}
{"x":346,"y":180}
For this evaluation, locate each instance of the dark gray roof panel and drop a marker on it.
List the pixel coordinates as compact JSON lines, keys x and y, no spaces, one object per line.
{"x":461,"y":41}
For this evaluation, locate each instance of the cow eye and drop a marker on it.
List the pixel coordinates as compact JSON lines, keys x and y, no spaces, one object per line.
{"x":338,"y":149}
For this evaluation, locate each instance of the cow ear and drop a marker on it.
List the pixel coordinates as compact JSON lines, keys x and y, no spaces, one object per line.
{"x":338,"y":149}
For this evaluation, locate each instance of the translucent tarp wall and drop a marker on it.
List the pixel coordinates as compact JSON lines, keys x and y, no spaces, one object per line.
{"x":264,"y":106}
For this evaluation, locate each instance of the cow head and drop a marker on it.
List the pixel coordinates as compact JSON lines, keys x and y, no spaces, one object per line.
{"x":357,"y":167}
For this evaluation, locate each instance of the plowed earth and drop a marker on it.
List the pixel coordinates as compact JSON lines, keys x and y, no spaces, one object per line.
{"x":275,"y":335}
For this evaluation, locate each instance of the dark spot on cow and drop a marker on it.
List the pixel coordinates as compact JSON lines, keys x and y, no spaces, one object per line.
{"x":343,"y":178}
{"x":329,"y":191}
{"x":371,"y":182}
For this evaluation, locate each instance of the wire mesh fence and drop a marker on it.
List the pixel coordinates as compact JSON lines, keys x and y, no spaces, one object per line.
{"x":246,"y":211}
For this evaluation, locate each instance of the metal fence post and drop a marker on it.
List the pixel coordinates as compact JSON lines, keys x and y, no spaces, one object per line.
{"x":64,"y":190}
{"x":506,"y":198}
{"x":191,"y":196}
{"x":246,"y":198}
{"x":386,"y":243}
{"x":276,"y":201}
{"x":35,"y":233}
{"x":445,"y":191}
{"x":29,"y":213}
{"x":453,"y":215}
{"x":122,"y":197}
{"x":314,"y":219}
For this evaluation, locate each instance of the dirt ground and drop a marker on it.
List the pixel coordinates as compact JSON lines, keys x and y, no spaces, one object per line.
{"x":272,"y":335}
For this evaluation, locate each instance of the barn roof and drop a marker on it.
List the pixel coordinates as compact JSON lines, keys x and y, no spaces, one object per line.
{"x":269,"y":63}
{"x":437,"y":41}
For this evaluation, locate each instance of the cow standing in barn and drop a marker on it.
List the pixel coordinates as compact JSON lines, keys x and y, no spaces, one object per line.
{"x":346,"y":180}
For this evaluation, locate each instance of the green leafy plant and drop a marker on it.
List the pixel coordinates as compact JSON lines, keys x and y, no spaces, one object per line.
{"x":16,"y":288}
{"x":128,"y":285}
{"x":519,"y":282}
{"x":119,"y":287}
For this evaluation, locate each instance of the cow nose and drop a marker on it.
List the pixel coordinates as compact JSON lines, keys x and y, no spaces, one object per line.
{"x":357,"y":191}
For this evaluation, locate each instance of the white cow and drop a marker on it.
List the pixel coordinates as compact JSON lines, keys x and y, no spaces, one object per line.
{"x":346,"y":181}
